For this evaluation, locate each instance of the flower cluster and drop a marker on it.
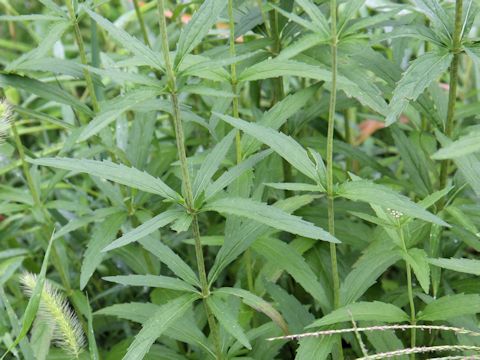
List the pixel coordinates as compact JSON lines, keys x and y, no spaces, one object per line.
{"x":396,"y":214}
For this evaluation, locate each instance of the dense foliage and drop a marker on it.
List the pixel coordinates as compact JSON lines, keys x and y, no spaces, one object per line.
{"x":189,"y":179}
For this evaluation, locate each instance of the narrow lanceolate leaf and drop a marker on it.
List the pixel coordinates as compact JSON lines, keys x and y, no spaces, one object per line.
{"x":234,"y":172}
{"x":375,"y":194}
{"x":270,"y":216}
{"x":145,"y":229}
{"x":368,"y":311}
{"x":465,"y":145}
{"x":129,"y":42}
{"x":451,"y":307}
{"x":158,"y":323}
{"x":118,"y":173}
{"x":226,"y":318}
{"x":417,"y":258}
{"x":286,"y":258}
{"x":159,"y":281}
{"x":276,"y":68}
{"x":43,"y":90}
{"x":256,"y":303}
{"x":469,"y":266}
{"x":283,"y":145}
{"x":419,"y":75}
{"x":201,"y":22}
{"x":103,"y":234}
{"x":112,"y":109}
{"x":211,"y":164}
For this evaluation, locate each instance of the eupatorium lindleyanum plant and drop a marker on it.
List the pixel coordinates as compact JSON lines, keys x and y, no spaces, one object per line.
{"x":226,"y":179}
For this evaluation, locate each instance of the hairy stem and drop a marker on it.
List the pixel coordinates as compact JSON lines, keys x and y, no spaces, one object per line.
{"x":330,"y":194}
{"x":83,"y":55}
{"x":413,"y":321}
{"x":452,"y":92}
{"x":187,"y":186}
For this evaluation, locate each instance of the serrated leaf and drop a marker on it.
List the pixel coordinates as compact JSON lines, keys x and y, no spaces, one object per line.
{"x":128,"y":41}
{"x":371,"y":311}
{"x":118,"y":173}
{"x":156,"y":281}
{"x":145,"y":229}
{"x":284,"y":257}
{"x":270,"y":216}
{"x":211,"y":164}
{"x":283,"y":145}
{"x":102,"y":235}
{"x":417,"y":259}
{"x":420,"y":74}
{"x":223,"y":314}
{"x":43,"y":90}
{"x":449,"y":307}
{"x":371,"y":193}
{"x":158,"y":323}
{"x":256,"y":303}
{"x":199,"y":25}
{"x":112,"y":109}
{"x":469,"y":266}
{"x":465,"y":145}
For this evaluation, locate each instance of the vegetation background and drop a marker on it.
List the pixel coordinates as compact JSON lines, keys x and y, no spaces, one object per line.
{"x":189,"y":179}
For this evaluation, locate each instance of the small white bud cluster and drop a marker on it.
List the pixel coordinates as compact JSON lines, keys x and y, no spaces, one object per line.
{"x":396,"y":214}
{"x":5,"y":115}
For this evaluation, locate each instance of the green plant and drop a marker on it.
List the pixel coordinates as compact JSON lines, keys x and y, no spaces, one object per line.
{"x":195,"y":158}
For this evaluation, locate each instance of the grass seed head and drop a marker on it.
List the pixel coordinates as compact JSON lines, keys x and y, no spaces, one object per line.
{"x":5,"y":118}
{"x":55,"y":310}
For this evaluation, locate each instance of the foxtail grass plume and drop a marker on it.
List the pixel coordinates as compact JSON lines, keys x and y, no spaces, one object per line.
{"x":5,"y":115}
{"x":55,"y":310}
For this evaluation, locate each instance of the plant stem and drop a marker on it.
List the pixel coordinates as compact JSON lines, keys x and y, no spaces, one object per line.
{"x":413,"y":321}
{"x":330,"y":194}
{"x":139,"y":14}
{"x":238,"y":140}
{"x":452,"y":92}
{"x":83,"y":55}
{"x":180,"y":140}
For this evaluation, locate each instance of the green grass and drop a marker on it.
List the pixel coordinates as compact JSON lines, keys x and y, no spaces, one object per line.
{"x":222,"y":179}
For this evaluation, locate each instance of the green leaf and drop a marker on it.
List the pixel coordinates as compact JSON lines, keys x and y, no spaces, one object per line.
{"x":314,"y":348}
{"x":375,"y":194}
{"x":112,"y":109}
{"x":420,"y":74}
{"x":450,"y":307}
{"x":469,"y":266}
{"x":118,"y":173}
{"x":174,"y":262}
{"x":211,"y":163}
{"x":234,"y":172}
{"x":198,"y":27}
{"x":276,"y":68}
{"x":129,"y":42}
{"x":417,"y":259}
{"x":283,"y":145}
{"x":366,"y":271}
{"x":157,"y":281}
{"x":296,"y":187}
{"x":223,"y":314}
{"x":270,"y":216}
{"x":279,"y":114}
{"x":256,"y":303}
{"x":158,"y":323}
{"x":286,"y":258}
{"x":315,"y":14}
{"x":465,"y":145}
{"x":43,"y":90}
{"x":145,"y":229}
{"x":372,"y":311}
{"x":102,"y":235}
